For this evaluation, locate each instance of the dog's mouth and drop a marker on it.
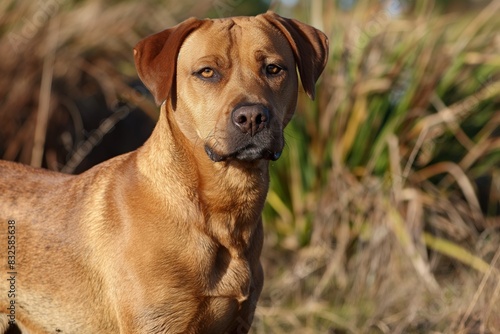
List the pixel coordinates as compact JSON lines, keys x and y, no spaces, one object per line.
{"x":247,"y":153}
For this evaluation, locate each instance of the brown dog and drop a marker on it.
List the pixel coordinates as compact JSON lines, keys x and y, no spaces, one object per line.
{"x":165,"y":239}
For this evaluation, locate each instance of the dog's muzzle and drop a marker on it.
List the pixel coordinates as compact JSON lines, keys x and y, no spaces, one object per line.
{"x":245,"y":154}
{"x":250,"y":136}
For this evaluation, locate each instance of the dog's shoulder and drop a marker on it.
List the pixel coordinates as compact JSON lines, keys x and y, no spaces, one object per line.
{"x":13,"y":173}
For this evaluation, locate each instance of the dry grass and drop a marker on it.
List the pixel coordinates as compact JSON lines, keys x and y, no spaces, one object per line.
{"x":383,"y":215}
{"x":65,"y":51}
{"x":381,"y":206}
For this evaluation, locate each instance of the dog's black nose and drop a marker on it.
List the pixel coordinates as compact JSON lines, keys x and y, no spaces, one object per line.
{"x":251,"y":119}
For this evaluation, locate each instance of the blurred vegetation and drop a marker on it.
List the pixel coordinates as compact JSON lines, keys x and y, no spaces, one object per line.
{"x":388,"y":199}
{"x":384,"y":210}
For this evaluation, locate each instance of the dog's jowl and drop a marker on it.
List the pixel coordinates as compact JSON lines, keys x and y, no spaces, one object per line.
{"x":165,"y":239}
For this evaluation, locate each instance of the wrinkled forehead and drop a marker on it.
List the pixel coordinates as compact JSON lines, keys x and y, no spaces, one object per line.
{"x":244,"y":35}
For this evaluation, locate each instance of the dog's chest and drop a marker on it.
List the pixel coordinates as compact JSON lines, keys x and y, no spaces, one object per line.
{"x":229,"y":276}
{"x":212,"y":298}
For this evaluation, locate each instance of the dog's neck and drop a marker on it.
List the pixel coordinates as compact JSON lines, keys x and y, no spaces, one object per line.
{"x":215,"y":187}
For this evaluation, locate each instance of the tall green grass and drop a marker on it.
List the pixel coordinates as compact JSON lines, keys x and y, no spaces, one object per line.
{"x":390,"y":183}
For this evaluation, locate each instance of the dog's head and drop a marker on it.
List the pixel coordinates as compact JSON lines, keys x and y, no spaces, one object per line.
{"x":232,"y":83}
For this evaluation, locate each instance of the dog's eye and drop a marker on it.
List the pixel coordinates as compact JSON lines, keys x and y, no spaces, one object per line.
{"x":206,"y":73}
{"x":273,"y":69}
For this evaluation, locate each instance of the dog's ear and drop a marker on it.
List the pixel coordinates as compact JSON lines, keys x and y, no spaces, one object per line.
{"x":309,"y":46}
{"x":156,"y":59}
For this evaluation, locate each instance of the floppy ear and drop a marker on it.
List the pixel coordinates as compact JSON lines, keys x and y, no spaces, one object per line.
{"x":156,"y":59}
{"x":309,"y":46}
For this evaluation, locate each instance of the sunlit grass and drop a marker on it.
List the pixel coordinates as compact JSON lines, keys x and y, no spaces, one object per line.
{"x":384,"y":175}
